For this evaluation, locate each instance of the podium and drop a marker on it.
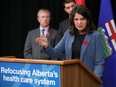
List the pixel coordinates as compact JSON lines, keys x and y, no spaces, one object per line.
{"x":15,"y":72}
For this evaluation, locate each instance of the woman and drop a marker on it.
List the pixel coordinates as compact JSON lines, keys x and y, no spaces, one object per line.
{"x":81,"y":41}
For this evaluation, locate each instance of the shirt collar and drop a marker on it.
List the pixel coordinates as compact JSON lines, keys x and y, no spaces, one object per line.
{"x":46,"y":28}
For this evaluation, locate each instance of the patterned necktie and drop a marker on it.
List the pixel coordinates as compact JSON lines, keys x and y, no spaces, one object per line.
{"x":43,"y":31}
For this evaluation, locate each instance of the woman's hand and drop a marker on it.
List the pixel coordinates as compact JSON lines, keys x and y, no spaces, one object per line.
{"x":42,"y":41}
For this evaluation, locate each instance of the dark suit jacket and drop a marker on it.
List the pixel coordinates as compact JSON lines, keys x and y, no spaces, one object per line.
{"x":63,"y":26}
{"x":32,"y":49}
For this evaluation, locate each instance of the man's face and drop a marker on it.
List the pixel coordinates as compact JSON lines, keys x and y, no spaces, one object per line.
{"x":44,"y":18}
{"x":68,"y":7}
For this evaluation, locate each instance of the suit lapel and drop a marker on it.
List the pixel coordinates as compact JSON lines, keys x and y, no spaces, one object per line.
{"x":85,"y":44}
{"x":69,"y":46}
{"x":49,"y":34}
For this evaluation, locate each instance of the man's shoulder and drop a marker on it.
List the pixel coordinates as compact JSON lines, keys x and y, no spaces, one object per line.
{"x":64,"y":21}
{"x":36,"y":29}
{"x":53,"y":30}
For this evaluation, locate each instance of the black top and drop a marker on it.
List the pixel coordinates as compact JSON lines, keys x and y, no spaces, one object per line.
{"x":76,"y":46}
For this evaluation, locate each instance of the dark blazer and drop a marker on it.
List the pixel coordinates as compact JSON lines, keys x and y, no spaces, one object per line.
{"x":92,"y":51}
{"x":63,"y":26}
{"x":32,"y":49}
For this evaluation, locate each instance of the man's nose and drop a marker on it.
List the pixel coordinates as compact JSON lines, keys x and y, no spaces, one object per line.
{"x":71,"y":8}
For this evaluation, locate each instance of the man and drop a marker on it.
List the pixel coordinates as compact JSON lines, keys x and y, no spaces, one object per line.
{"x":32,"y":50}
{"x":65,"y":24}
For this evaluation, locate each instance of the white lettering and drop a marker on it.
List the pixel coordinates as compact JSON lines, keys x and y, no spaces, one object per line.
{"x":15,"y":71}
{"x":44,"y":82}
{"x":26,"y":80}
{"x":11,"y":79}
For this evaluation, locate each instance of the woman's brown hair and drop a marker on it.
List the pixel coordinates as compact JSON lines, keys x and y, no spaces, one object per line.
{"x":82,"y":10}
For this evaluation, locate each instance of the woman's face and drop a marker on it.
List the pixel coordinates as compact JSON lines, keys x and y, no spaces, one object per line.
{"x":80,"y":22}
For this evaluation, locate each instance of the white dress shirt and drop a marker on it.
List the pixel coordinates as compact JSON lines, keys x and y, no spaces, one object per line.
{"x":45,"y":32}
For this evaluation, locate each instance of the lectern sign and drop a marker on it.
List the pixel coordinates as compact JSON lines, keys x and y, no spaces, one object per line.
{"x":29,"y":75}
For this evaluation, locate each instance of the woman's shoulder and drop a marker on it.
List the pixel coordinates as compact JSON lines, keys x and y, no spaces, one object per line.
{"x":67,"y":32}
{"x":96,"y":33}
